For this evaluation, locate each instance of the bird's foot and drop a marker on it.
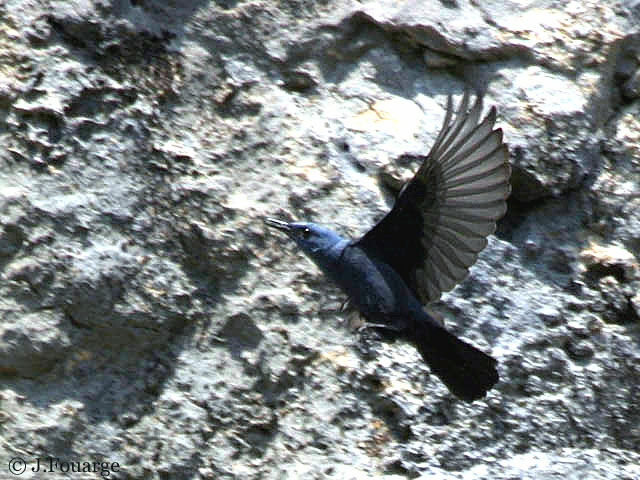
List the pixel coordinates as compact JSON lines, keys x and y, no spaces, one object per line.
{"x":381,"y":326}
{"x":346,"y":305}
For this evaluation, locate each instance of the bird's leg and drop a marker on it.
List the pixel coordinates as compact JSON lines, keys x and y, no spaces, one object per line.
{"x":354,"y":319}
{"x":346,"y":305}
{"x":388,"y":332}
{"x":380,"y":326}
{"x":352,"y":314}
{"x":359,"y":323}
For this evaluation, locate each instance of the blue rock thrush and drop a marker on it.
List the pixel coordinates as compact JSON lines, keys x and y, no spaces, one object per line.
{"x":425,"y":245}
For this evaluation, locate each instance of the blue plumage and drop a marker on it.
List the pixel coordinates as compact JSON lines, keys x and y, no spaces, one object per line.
{"x":425,"y":246}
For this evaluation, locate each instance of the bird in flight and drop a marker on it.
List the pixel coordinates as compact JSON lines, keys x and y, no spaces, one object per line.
{"x":425,"y":245}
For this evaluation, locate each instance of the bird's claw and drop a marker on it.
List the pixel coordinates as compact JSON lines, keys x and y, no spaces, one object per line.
{"x":382,"y":326}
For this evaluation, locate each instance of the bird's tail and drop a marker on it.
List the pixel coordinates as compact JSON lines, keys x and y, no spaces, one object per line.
{"x":468,"y":372}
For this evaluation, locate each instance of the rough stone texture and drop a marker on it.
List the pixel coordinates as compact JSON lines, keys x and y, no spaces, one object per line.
{"x":147,"y":317}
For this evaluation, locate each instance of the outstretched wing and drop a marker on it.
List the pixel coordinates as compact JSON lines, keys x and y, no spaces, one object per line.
{"x":442,"y":217}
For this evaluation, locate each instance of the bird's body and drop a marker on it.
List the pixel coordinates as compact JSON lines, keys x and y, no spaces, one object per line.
{"x":424,"y":246}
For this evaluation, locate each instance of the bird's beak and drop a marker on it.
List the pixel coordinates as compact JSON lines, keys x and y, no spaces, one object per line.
{"x":282,"y":226}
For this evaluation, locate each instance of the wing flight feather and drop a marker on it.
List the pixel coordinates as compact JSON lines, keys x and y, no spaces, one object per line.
{"x":442,"y":217}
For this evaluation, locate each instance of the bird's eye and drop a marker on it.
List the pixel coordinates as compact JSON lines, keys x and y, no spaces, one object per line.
{"x":306,"y":232}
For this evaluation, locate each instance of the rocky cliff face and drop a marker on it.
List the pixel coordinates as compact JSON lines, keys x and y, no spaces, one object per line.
{"x":147,"y":317}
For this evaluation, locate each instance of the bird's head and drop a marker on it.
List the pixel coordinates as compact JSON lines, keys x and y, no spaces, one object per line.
{"x":315,"y":240}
